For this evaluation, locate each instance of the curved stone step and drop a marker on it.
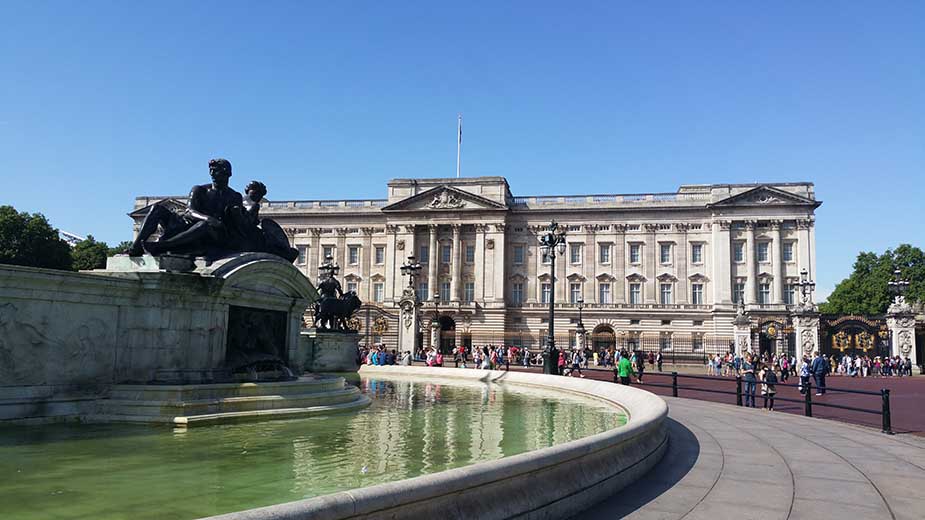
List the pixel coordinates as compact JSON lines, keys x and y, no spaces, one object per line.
{"x":193,"y":392}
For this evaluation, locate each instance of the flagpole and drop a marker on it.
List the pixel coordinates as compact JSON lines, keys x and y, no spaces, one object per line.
{"x":458,"y":141}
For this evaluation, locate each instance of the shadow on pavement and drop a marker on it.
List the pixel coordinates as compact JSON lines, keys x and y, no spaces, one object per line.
{"x":682,"y":454}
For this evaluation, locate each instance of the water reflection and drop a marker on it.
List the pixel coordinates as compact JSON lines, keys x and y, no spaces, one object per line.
{"x":412,"y":427}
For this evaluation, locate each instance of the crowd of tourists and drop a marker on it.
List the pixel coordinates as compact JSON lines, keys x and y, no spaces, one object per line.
{"x":843,"y":365}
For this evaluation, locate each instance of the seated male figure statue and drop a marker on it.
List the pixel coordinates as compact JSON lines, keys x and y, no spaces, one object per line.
{"x":200,"y":227}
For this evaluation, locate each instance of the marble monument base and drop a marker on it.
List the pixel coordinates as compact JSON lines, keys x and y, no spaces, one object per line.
{"x":330,"y":351}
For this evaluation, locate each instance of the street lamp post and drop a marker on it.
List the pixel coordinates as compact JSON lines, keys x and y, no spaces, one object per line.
{"x":898,"y":287}
{"x":807,"y":287}
{"x":580,"y":329}
{"x":551,"y":243}
{"x":410,"y":269}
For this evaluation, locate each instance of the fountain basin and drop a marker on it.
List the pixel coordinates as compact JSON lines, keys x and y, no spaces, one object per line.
{"x":552,"y":482}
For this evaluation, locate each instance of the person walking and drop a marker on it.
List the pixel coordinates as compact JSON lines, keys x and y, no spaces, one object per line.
{"x":819,"y":368}
{"x":804,"y":375}
{"x":640,"y":366}
{"x":659,"y":360}
{"x":576,"y":363}
{"x":624,"y":368}
{"x":769,"y":388}
{"x":750,"y":381}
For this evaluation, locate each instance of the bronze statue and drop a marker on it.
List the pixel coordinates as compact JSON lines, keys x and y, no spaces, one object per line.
{"x":216,"y":222}
{"x":334,"y":308}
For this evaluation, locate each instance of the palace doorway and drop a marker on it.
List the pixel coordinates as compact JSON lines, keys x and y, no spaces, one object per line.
{"x":447,"y":333}
{"x":603,"y":338}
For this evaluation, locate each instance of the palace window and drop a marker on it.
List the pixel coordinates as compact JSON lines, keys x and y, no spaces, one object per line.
{"x":764,"y":293}
{"x":574,"y":292}
{"x":788,"y":252}
{"x":664,"y":253}
{"x":422,"y":291}
{"x":518,"y":254}
{"x":665,"y":294}
{"x":575,"y":253}
{"x":546,"y":258}
{"x":635,"y":253}
{"x":664,"y":342}
{"x":697,"y":343}
{"x":378,"y":292}
{"x":380,"y":254}
{"x":789,"y":293}
{"x":446,"y":251}
{"x":517,"y":293}
{"x":544,"y":295}
{"x":353,"y":253}
{"x":351,"y":287}
{"x":327,"y":251}
{"x":469,"y":292}
{"x":763,"y":248}
{"x":470,"y":254}
{"x":738,"y":249}
{"x":424,"y":256}
{"x":604,"y":257}
{"x":697,"y":293}
{"x":604,"y":293}
{"x":635,"y":293}
{"x":303,"y":252}
{"x":738,"y":292}
{"x":445,"y":291}
{"x":696,"y":253}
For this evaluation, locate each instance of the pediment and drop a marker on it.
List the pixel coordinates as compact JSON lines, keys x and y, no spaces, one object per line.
{"x":605,"y":277}
{"x":575,"y":277}
{"x":517,"y":277}
{"x":171,"y":203}
{"x":766,"y":196}
{"x":698,"y":277}
{"x":635,"y":277}
{"x":666,"y":277}
{"x":445,"y":198}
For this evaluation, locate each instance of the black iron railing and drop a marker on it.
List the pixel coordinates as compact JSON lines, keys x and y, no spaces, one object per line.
{"x":806,"y":388}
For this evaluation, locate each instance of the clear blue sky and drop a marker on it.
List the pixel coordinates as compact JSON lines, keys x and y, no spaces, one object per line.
{"x":103,"y":101}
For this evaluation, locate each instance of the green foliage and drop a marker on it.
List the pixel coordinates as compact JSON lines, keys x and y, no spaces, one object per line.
{"x":31,"y":241}
{"x":90,"y":254}
{"x":120,"y":248}
{"x":866,"y":291}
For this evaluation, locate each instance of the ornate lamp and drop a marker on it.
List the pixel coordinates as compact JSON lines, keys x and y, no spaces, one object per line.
{"x":551,"y":243}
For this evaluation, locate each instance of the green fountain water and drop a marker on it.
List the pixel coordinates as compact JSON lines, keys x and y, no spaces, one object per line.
{"x":412,"y":428}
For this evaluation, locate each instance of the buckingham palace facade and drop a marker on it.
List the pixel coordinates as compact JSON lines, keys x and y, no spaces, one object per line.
{"x":660,"y":270}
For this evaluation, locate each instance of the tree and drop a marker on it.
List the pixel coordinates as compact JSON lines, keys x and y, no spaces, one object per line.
{"x":31,"y":241}
{"x":866,"y":291}
{"x":120,"y":248}
{"x":90,"y":254}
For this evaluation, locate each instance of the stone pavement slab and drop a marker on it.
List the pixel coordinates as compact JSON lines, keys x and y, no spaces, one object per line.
{"x":727,"y":462}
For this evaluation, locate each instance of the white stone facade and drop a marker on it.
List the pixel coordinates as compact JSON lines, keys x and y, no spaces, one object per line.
{"x":649,"y":267}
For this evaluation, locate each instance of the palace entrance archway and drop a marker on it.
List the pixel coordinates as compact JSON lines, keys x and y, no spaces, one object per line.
{"x":603,"y":338}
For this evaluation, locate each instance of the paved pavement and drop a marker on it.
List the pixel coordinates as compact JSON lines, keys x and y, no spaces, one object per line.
{"x":739,"y":463}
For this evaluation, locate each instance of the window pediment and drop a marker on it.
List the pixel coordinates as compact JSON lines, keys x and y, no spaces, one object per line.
{"x":635,"y":277}
{"x":698,"y":277}
{"x":666,"y":277}
{"x":605,"y":277}
{"x":575,"y":277}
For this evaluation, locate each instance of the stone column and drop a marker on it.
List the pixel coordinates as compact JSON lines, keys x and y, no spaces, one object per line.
{"x":314,"y":251}
{"x":722,"y":263}
{"x":650,"y":261}
{"x":901,"y":322}
{"x":681,"y":263}
{"x":590,"y":257}
{"x":806,"y":329}
{"x":479,"y":267}
{"x":409,"y":322}
{"x":777,"y":263}
{"x":618,"y":260}
{"x":393,"y":259}
{"x":366,"y":264}
{"x":742,"y":332}
{"x":432,"y":264}
{"x":498,"y":264}
{"x":751,"y":262}
{"x":455,"y":281}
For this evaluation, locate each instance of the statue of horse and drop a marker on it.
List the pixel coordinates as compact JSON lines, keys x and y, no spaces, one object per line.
{"x":333,"y":313}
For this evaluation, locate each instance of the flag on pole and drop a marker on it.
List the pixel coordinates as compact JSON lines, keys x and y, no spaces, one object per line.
{"x":460,"y":129}
{"x":458,"y":141}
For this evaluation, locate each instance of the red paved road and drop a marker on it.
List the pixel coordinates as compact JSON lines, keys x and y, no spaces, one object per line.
{"x":907,"y":397}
